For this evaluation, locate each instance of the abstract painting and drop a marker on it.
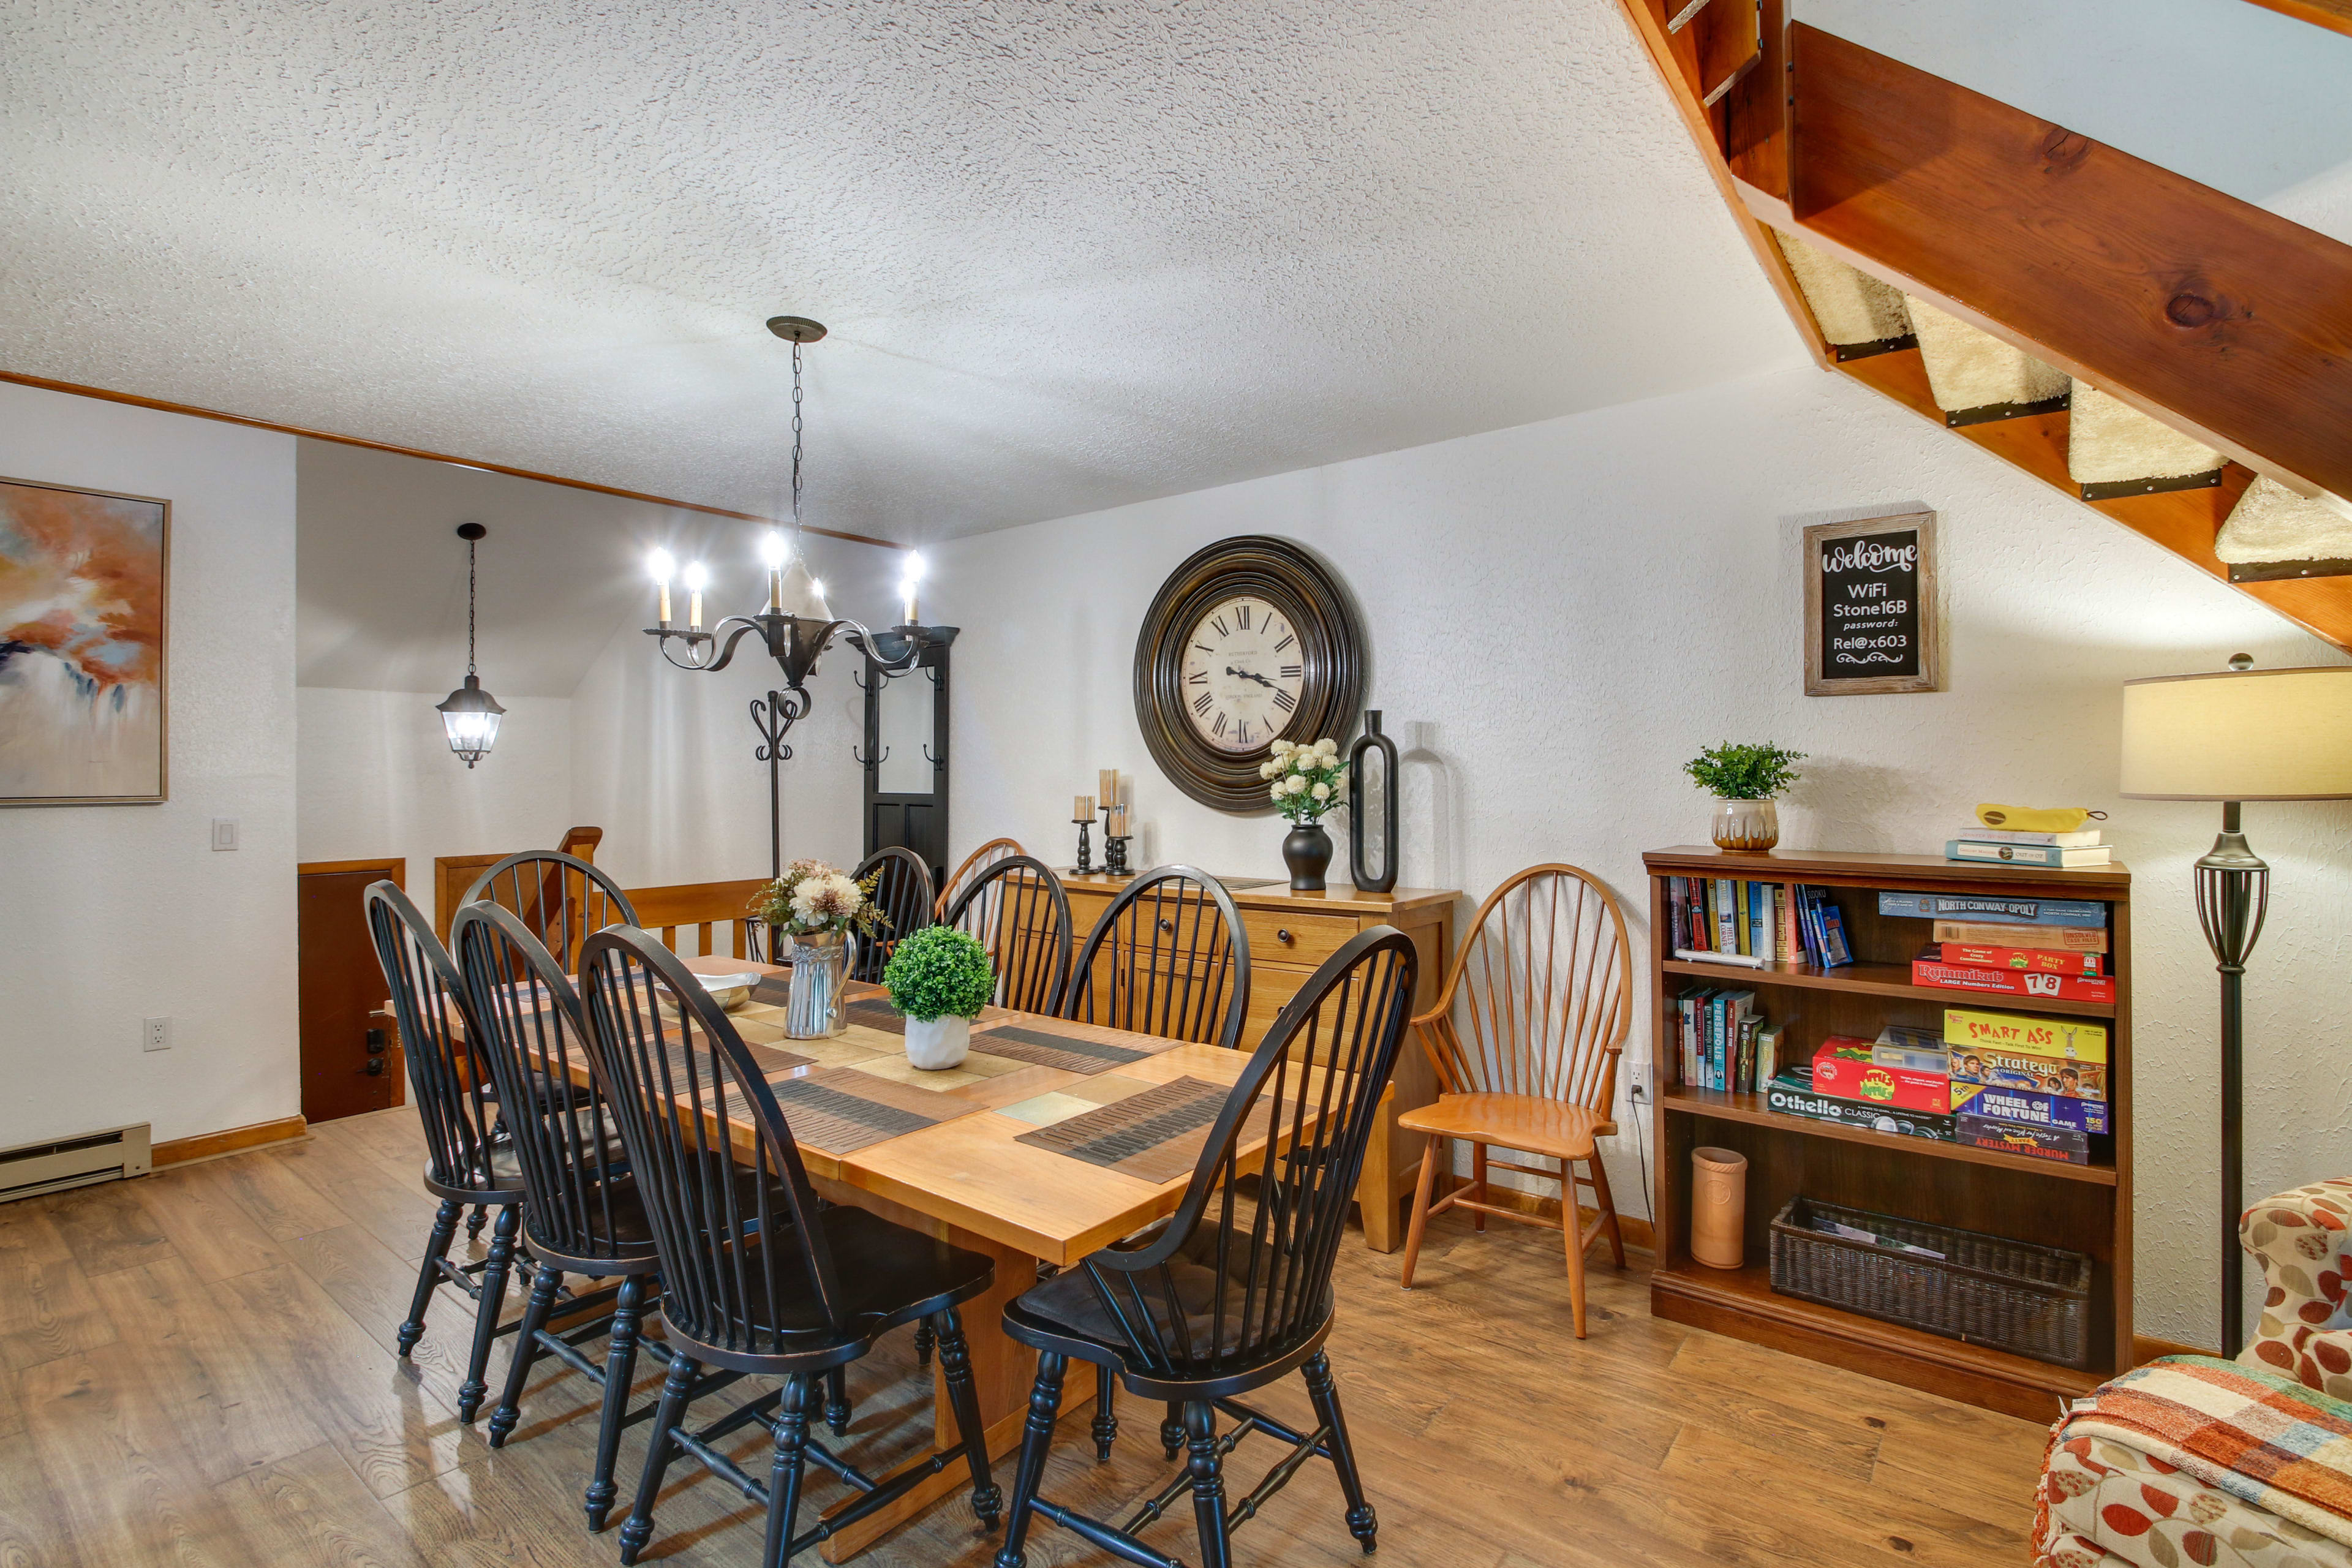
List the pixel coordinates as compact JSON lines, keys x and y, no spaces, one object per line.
{"x":83,"y":577}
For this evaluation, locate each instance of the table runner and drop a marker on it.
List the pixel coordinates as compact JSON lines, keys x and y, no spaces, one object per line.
{"x":1154,"y":1136}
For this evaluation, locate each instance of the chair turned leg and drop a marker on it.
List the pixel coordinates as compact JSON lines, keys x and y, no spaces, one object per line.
{"x":1608,"y":1210}
{"x":487,"y":1309}
{"x":1362,"y":1522}
{"x":638,"y":1528}
{"x":1207,"y":1472}
{"x":474,"y":1222}
{"x":525,"y":1351}
{"x":428,"y":1273}
{"x":1106,"y":1427}
{"x":923,"y":1343}
{"x":791,"y":1463}
{"x":1574,"y":1232}
{"x":836,"y":1401}
{"x":1036,"y":1440}
{"x":1422,"y":1192}
{"x":1172,"y":1430}
{"x":620,"y":1371}
{"x":1478,"y":1182}
{"x":963,"y":1399}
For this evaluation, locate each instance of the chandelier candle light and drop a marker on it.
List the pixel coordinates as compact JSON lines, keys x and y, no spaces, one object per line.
{"x":797,"y":627}
{"x":470,"y":715}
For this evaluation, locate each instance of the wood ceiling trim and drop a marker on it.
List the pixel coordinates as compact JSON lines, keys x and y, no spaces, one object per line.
{"x":2335,"y":16}
{"x":135,"y":400}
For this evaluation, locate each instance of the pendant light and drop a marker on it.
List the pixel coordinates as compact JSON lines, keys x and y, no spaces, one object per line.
{"x":470,"y":715}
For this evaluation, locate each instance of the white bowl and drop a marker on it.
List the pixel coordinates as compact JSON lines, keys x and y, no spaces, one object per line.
{"x":730,"y":991}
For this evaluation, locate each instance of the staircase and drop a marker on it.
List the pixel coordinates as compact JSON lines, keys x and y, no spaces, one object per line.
{"x":2172,"y":358}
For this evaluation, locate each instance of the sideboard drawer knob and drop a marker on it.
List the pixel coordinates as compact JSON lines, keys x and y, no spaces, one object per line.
{"x":1166,"y":924}
{"x":1281,"y":935}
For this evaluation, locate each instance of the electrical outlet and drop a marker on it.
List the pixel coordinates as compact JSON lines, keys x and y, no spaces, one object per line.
{"x":156,"y":1035}
{"x":224,"y":832}
{"x":1640,"y":1090}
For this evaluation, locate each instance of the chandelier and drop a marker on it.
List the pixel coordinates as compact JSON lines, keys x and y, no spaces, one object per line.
{"x":470,"y":715}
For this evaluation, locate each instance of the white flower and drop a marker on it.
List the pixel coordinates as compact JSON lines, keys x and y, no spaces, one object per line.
{"x":1283,"y":748}
{"x":1299,"y":786}
{"x":1266,"y":769}
{"x":1322,"y":792}
{"x":1328,"y":746}
{"x":1279,"y":791}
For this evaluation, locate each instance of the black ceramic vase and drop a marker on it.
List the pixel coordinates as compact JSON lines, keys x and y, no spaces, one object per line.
{"x":1360,"y":870}
{"x":1308,"y":852}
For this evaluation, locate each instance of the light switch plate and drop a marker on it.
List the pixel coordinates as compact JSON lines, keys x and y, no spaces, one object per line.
{"x":224,"y":832}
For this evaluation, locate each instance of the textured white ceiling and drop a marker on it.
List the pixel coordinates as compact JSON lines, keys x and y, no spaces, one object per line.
{"x":1074,"y":254}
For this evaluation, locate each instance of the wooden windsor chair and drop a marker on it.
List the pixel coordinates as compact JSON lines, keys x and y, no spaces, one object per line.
{"x":465,"y":1162}
{"x":1212,"y":1306}
{"x":1544,"y":996}
{"x":1169,"y":956}
{"x":582,"y":1214}
{"x":758,"y":1276}
{"x":905,"y":897}
{"x":979,"y":860}
{"x":1017,"y":910}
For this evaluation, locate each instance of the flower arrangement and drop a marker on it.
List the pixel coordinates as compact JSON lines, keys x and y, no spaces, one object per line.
{"x":1744,"y":773}
{"x":1307,"y":779}
{"x":812,"y":897}
{"x":940,"y":972}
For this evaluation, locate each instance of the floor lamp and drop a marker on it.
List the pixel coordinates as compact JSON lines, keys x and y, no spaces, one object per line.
{"x":2237,"y":735}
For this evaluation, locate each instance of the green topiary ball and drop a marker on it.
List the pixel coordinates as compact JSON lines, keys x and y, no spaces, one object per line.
{"x":939,"y":973}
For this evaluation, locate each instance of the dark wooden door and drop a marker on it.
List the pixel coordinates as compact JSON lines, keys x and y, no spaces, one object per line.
{"x":347,"y":1064}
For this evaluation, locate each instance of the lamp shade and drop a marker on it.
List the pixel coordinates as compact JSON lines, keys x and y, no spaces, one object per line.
{"x":801,"y":594}
{"x":2240,"y":734}
{"x":470,"y":718}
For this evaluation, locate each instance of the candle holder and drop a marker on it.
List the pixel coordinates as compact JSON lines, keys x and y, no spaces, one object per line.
{"x":1115,"y":854}
{"x":1085,"y":866}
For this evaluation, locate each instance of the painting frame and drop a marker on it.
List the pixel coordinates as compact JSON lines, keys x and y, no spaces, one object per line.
{"x":163,"y":790}
{"x":1926,"y":608}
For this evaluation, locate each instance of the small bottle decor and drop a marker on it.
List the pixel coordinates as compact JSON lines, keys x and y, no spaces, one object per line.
{"x":1743,"y":780}
{"x":939,"y":977}
{"x":1306,"y":782}
{"x":823,"y":910}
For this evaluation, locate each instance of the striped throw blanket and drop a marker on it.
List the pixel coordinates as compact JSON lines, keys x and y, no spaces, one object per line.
{"x":2249,"y":1432}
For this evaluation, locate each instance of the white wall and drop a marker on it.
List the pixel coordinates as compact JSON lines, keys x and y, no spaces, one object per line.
{"x":1561,"y":615}
{"x":115,"y":913}
{"x":377,"y":778}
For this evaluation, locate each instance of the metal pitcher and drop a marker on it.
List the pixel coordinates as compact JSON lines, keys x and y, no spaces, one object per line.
{"x":813,"y":1004}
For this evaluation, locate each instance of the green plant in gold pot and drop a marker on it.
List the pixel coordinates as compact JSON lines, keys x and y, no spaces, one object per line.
{"x":1744,"y":779}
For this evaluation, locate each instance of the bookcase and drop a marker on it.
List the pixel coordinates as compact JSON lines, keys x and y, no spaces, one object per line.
{"x":2087,"y":1208}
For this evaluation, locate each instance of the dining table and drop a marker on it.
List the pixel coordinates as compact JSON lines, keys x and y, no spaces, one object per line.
{"x":1051,"y":1139}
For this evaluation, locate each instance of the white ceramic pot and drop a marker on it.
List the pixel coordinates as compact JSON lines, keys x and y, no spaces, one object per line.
{"x":938,"y":1044}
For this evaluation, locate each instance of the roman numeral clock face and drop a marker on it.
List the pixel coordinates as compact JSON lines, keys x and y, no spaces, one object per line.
{"x":1242,"y":674}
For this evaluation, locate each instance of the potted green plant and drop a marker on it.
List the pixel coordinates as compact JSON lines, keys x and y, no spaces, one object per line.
{"x":939,"y":978}
{"x":1307,"y":779}
{"x":823,"y":910}
{"x":1744,"y":780}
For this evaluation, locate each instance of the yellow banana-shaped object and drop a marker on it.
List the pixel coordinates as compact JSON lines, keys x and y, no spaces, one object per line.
{"x":2032,"y":819}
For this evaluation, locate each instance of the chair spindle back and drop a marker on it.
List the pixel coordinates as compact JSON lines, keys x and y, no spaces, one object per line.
{"x":905,"y":897}
{"x":449,"y":1080}
{"x":1540,"y":995}
{"x":979,"y":860}
{"x":560,"y":897}
{"x":1016,"y":909}
{"x":1169,"y":957}
{"x":745,"y":1266}
{"x":535,"y":1034}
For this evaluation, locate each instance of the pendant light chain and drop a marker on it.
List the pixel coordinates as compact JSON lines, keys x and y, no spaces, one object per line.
{"x":796,"y":443}
{"x":469,"y":606}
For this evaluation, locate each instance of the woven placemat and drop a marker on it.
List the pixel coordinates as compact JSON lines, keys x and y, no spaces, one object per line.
{"x":841,"y":1109}
{"x":1051,"y":1048}
{"x":1155,"y":1136}
{"x":876,"y":1013}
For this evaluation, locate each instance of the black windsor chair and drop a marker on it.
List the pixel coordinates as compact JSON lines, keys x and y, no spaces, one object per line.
{"x":758,"y":1276}
{"x":581,"y":1215}
{"x":1169,"y":957}
{"x":1207,"y":1309}
{"x":906,"y":899}
{"x":1016,"y":909}
{"x":467,"y":1163}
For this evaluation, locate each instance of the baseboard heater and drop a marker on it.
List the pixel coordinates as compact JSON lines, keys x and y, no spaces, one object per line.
{"x":107,"y":1156}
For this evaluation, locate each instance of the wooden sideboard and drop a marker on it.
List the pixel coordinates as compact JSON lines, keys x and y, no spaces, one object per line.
{"x":1289,"y":934}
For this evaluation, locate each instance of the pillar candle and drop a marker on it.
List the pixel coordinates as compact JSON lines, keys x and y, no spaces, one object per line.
{"x":1118,"y":822}
{"x":1106,"y":783}
{"x":1084,"y":810}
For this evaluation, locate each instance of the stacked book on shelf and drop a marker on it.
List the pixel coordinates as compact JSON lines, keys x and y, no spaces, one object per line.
{"x":2064,"y":851}
{"x":2055,"y":949}
{"x":2034,"y":1087}
{"x":1725,"y":1041}
{"x":1725,"y":920}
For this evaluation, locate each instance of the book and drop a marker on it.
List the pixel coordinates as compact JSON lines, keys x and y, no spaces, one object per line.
{"x":1787,"y":942}
{"x":1708,"y":955}
{"x":2075,"y":840}
{"x":2057,"y":855}
{"x":2061,"y":1144}
{"x":2082,"y":912}
{"x":2056,"y":1039}
{"x":2039,"y":960}
{"x":1727,"y":918}
{"x":1759,"y":920}
{"x":1929,"y":969}
{"x":1792,"y":1096}
{"x":1843,"y":1067}
{"x":2032,"y":1106}
{"x":1835,"y":953}
{"x":2056,"y":939}
{"x":1768,"y":1042}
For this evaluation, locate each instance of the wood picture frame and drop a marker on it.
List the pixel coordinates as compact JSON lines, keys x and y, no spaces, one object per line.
{"x":85,"y":613}
{"x":1870,"y":600}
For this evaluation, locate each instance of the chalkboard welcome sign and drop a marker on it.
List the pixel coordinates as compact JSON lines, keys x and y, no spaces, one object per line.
{"x":1870,"y":606}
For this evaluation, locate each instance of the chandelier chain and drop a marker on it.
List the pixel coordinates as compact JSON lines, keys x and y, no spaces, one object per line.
{"x":470,"y":607}
{"x":796,"y":438}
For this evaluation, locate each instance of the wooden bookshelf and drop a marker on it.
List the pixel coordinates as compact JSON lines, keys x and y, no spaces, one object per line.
{"x":2085,"y":1207}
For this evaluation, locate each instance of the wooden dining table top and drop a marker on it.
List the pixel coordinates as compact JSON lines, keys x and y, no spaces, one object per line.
{"x":972,"y":1169}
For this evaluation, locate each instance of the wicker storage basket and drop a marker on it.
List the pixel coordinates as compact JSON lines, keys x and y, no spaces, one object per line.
{"x":2012,"y":1295}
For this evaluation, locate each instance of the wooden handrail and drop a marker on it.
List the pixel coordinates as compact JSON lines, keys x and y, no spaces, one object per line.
{"x":701,"y":905}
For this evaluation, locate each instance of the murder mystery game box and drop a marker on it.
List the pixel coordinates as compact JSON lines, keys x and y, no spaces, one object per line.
{"x":2017,"y":1138}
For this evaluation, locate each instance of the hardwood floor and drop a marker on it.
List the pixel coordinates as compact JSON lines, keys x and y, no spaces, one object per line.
{"x":197,"y":1370}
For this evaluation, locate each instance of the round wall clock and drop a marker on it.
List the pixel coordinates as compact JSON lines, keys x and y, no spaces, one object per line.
{"x":1249,"y":641}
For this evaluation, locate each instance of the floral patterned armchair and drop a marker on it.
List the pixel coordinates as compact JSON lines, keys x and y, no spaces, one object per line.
{"x":2196,"y":1460}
